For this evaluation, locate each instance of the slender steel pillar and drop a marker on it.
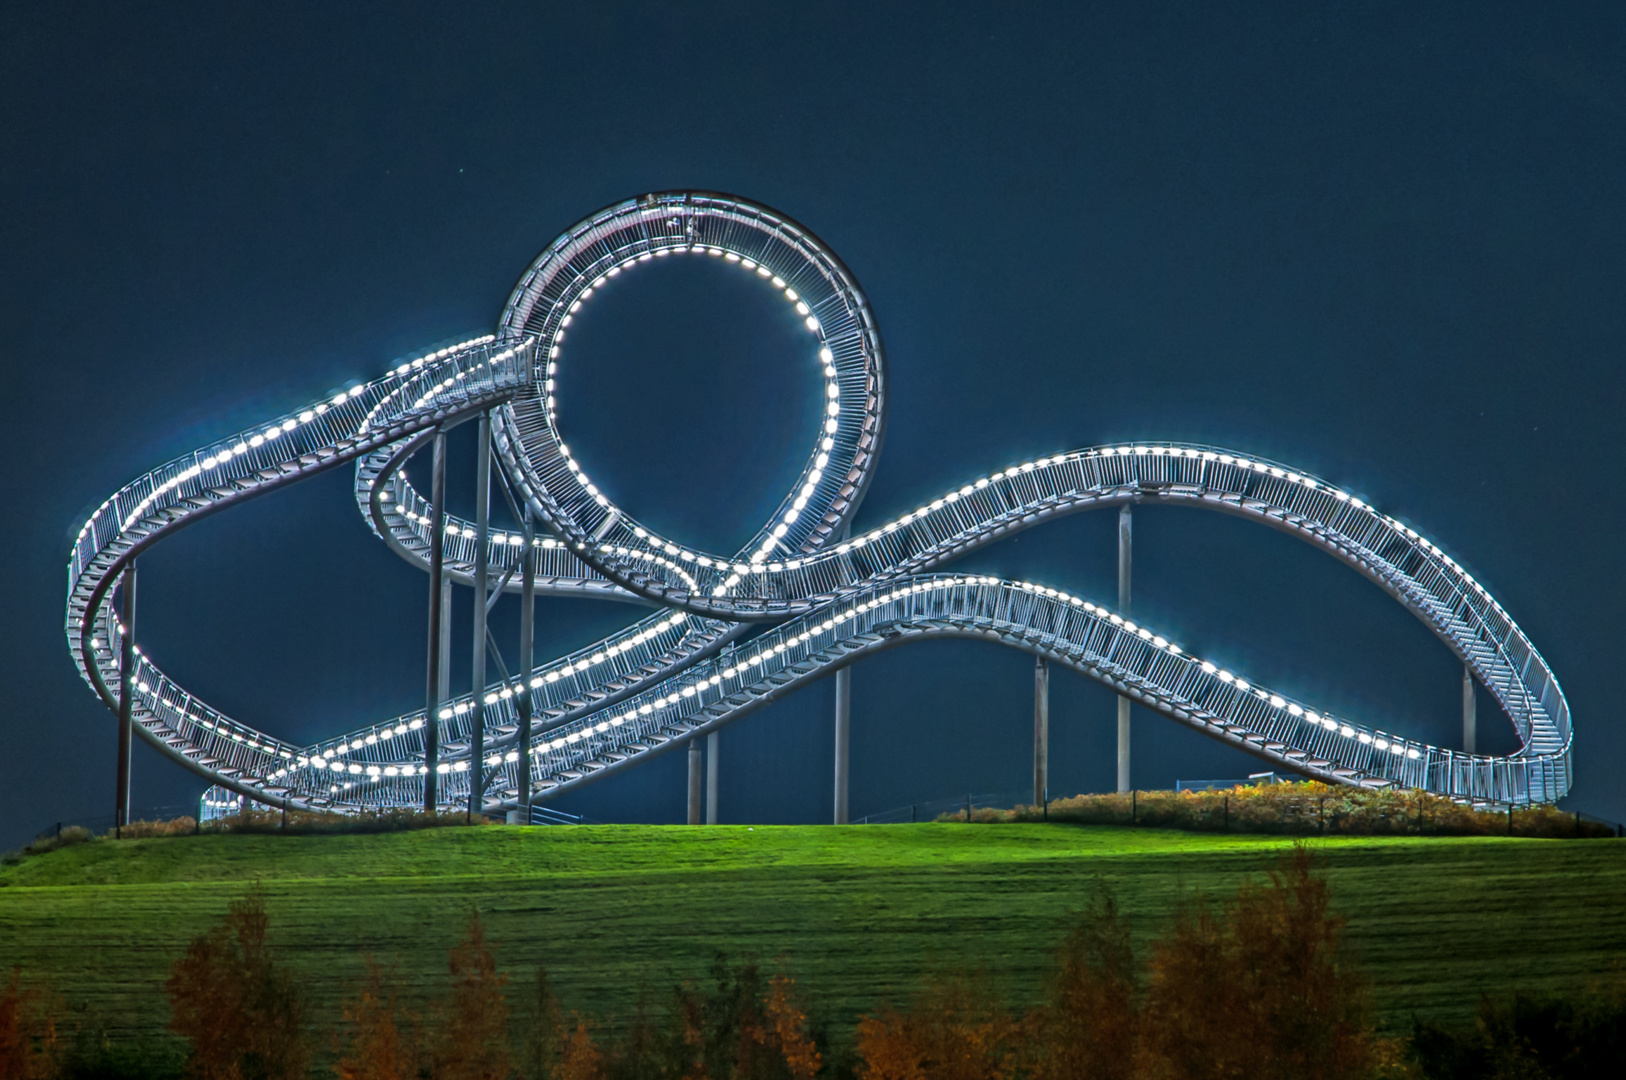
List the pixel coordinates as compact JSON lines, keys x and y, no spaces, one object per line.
{"x":436,"y":692}
{"x":844,"y":706}
{"x":527,"y":634}
{"x":482,"y":583}
{"x":1041,"y":731}
{"x":694,"y":780}
{"x":127,"y":667}
{"x":1124,"y":537}
{"x":446,"y":610}
{"x":713,"y":741}
{"x":1470,"y":711}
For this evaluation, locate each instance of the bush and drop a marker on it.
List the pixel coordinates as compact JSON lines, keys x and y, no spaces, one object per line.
{"x":1530,"y":1038}
{"x":1304,"y":808}
{"x":260,"y":819}
{"x":142,"y":830}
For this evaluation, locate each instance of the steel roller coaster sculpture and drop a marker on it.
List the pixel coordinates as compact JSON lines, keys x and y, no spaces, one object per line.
{"x":801,"y":600}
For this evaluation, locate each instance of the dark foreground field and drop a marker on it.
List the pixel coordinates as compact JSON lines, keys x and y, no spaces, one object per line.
{"x":856,"y":914}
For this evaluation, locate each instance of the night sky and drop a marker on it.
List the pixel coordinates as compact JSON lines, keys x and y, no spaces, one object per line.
{"x":1382,"y":243}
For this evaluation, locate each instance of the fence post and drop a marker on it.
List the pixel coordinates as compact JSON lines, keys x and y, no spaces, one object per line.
{"x":1134,"y":808}
{"x":1321,"y":816}
{"x":912,"y":813}
{"x":1510,"y":819}
{"x":968,"y":809}
{"x":1227,"y":827}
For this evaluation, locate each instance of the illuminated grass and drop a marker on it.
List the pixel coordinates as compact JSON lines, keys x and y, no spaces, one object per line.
{"x":857,"y":914}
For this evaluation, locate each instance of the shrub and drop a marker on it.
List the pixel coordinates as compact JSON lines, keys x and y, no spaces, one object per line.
{"x":1304,"y":808}
{"x":142,"y":830}
{"x":243,"y":1015}
{"x":1530,"y":1038}
{"x":262,"y":819}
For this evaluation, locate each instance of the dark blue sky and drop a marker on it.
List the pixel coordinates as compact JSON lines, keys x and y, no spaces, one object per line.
{"x":1384,"y":243}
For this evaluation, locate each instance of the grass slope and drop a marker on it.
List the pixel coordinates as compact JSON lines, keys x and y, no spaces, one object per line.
{"x":858,"y":914}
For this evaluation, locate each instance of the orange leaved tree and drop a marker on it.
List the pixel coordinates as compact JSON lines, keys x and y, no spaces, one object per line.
{"x":243,"y":1014}
{"x":473,"y":1043}
{"x":380,"y":1045}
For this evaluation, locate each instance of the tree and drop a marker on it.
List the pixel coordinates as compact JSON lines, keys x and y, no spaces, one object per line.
{"x":544,"y":1034}
{"x":787,"y":1024}
{"x":243,"y":1015}
{"x":1263,"y":993}
{"x":951,"y":1032}
{"x":1089,"y":1027}
{"x":378,"y":1047}
{"x":28,"y":1035}
{"x":474,"y":1018}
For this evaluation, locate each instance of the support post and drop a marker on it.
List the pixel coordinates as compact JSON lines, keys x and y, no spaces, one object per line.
{"x":1470,"y":711}
{"x":446,"y":609}
{"x":1124,"y":537}
{"x":527,"y":635}
{"x":482,"y":582}
{"x":127,"y":667}
{"x":1041,"y":731}
{"x":436,"y":691}
{"x":694,"y":780}
{"x":844,"y":702}
{"x":713,"y":742}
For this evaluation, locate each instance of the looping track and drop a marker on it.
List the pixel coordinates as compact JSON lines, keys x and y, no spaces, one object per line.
{"x":686,"y":668}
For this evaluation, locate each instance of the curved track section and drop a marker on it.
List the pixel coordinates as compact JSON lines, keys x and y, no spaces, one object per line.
{"x":825,"y":598}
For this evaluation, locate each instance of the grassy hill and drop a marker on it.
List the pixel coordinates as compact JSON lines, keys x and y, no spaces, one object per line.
{"x":858,"y":913}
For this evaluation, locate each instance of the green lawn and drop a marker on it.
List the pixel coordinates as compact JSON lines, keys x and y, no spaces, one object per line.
{"x":857,"y":913}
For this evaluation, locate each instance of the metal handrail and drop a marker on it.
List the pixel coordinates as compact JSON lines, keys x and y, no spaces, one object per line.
{"x":826,"y":598}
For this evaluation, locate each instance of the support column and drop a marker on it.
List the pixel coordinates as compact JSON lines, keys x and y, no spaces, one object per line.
{"x":436,"y":691}
{"x":527,"y":662}
{"x":713,"y":742}
{"x":482,"y":584}
{"x":1124,"y":537}
{"x":1041,"y":731}
{"x":1470,"y":711}
{"x":127,"y":667}
{"x":844,"y":703}
{"x":694,"y":780}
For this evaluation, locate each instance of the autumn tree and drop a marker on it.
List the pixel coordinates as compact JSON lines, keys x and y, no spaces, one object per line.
{"x":1262,"y":992}
{"x":1089,"y":1026}
{"x":28,"y":1035}
{"x":543,"y":1032}
{"x":473,"y":1043}
{"x":243,"y":1015}
{"x":953,"y":1031}
{"x":378,"y":1048}
{"x":579,"y":1057}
